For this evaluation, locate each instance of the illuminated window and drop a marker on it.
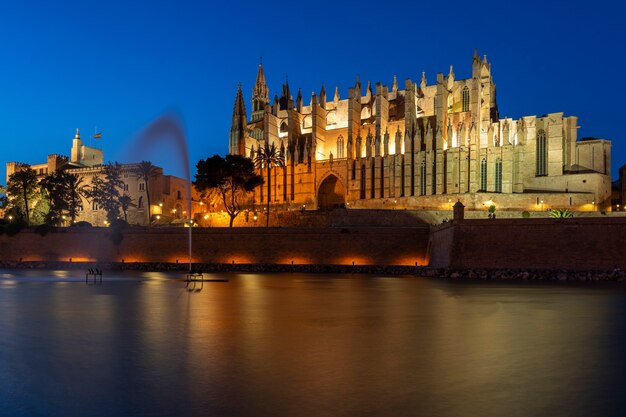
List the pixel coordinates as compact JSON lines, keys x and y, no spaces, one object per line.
{"x":94,"y":206}
{"x":466,"y":99}
{"x":373,"y":179}
{"x":498,"y":176}
{"x":423,"y":178}
{"x":363,"y":181}
{"x":434,"y":179}
{"x":542,"y":154}
{"x":340,"y":147}
{"x":483,"y":175}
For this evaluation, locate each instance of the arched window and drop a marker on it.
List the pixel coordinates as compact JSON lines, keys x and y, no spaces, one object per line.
{"x":353,"y":170}
{"x":283,"y":127}
{"x":542,"y":154}
{"x":363,"y":181}
{"x":340,"y":147}
{"x":423,"y":178}
{"x":483,"y":175}
{"x":434,"y":178}
{"x":140,"y":202}
{"x":499,"y":176}
{"x":466,"y":99}
{"x":373,"y":179}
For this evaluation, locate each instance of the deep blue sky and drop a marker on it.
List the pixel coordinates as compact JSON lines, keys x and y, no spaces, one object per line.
{"x":118,"y":65}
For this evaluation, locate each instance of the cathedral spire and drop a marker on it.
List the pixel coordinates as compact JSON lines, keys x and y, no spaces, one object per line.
{"x":323,"y":97}
{"x":238,"y":126}
{"x":260,"y":95}
{"x":336,"y":96}
{"x":299,"y":101}
{"x":394,"y":86}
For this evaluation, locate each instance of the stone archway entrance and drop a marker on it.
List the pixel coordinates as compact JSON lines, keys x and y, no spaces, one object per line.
{"x":331,"y":194}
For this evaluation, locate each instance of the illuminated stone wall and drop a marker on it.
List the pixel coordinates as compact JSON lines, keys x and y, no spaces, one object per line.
{"x":576,"y":243}
{"x":341,"y":246}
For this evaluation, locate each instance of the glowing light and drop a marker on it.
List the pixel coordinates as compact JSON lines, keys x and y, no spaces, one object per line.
{"x":206,"y":217}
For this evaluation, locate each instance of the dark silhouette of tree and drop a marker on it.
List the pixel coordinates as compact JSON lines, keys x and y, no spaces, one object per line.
{"x":232,"y":177}
{"x":266,"y":157}
{"x":76,"y":190}
{"x":64,"y":191}
{"x":125,"y":203}
{"x":3,"y":197}
{"x":145,"y":171}
{"x":22,"y":188}
{"x":105,"y":192}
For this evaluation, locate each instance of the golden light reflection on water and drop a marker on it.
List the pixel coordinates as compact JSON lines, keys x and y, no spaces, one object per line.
{"x":309,"y":345}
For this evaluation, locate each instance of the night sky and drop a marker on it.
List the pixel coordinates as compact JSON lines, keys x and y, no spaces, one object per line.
{"x":116,"y":66}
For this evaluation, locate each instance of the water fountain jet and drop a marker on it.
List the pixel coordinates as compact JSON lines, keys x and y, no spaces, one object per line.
{"x":170,"y":128}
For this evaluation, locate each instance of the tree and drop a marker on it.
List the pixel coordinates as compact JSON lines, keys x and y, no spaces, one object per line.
{"x":125,"y":203}
{"x":76,"y":190}
{"x":64,"y":191}
{"x":145,"y":171}
{"x":22,"y":188}
{"x":232,"y":177}
{"x":267,"y":157}
{"x":3,"y":197}
{"x":105,"y":192}
{"x":53,"y":186}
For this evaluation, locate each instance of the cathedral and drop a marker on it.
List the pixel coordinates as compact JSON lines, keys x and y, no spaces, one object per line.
{"x":419,"y":146}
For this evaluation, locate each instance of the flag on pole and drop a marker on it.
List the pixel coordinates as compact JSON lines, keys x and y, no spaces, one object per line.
{"x":97,"y":136}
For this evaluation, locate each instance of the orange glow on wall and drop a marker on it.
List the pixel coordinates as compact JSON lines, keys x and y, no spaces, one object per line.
{"x":296,"y":260}
{"x":353,"y":260}
{"x":410,"y":261}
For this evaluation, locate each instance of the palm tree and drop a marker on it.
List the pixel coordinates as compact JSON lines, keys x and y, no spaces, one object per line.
{"x":145,"y":171}
{"x":125,"y":203}
{"x":21,"y":185}
{"x":76,"y":190}
{"x":267,"y":156}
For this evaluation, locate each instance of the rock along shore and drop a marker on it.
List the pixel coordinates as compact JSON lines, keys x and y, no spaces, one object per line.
{"x":615,"y":275}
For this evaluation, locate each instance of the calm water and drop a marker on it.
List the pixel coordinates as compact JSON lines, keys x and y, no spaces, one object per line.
{"x":308,"y":345}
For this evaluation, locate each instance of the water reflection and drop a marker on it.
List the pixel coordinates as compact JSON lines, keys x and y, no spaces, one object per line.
{"x":309,"y":345}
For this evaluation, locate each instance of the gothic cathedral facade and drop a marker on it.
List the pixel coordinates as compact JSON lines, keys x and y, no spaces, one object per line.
{"x":421,"y":147}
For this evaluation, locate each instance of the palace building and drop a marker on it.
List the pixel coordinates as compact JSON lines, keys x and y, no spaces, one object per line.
{"x":168,"y":194}
{"x":420,"y":146}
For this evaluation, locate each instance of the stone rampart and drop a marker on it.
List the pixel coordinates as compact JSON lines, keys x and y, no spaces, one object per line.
{"x":572,"y":244}
{"x":323,"y":246}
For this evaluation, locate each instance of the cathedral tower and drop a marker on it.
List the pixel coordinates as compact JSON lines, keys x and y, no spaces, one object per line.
{"x":260,"y":95}
{"x":237,"y":144}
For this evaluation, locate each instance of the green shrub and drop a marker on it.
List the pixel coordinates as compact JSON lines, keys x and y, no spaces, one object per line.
{"x":561,"y":214}
{"x":525,"y":214}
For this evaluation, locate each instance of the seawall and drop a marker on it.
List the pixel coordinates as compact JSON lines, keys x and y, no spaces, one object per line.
{"x":570,"y":244}
{"x":383,"y":246}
